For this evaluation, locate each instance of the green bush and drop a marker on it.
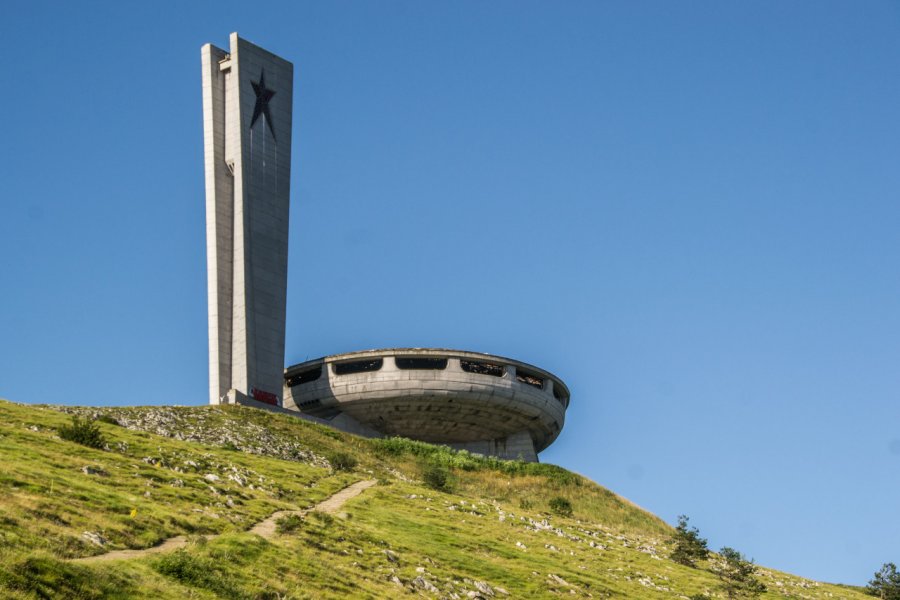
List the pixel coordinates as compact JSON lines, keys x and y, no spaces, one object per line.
{"x":48,"y":577}
{"x":738,"y":575}
{"x":561,"y":506}
{"x":288,"y":524}
{"x":342,"y":461}
{"x":436,"y":476}
{"x":84,"y":432}
{"x":323,"y":517}
{"x":886,"y":583}
{"x":199,"y":572}
{"x":688,"y":546}
{"x":466,"y":461}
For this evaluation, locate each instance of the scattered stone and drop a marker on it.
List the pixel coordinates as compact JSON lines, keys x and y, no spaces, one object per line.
{"x":420,"y":569}
{"x":423,"y":584}
{"x":169,"y":421}
{"x":392,"y":556}
{"x":89,"y":470}
{"x":177,"y":483}
{"x":484,"y":588}
{"x":212,"y":477}
{"x":94,"y":538}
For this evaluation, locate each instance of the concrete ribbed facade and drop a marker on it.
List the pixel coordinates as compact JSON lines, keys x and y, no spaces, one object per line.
{"x":480,"y":402}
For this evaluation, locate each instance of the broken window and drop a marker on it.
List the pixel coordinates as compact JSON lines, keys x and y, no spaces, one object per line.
{"x":305,"y":376}
{"x":482,"y":368}
{"x":357,"y":366}
{"x":559,"y":395}
{"x":421,"y":362}
{"x":530,"y":378}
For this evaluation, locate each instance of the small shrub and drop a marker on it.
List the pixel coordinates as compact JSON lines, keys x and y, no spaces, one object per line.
{"x":886,"y":583}
{"x":525,"y":504}
{"x":288,"y":524}
{"x":186,"y":568}
{"x":84,"y":432}
{"x":689,"y":547}
{"x":323,"y":517}
{"x":738,"y":575}
{"x":342,"y":461}
{"x":198,"y":571}
{"x":48,"y":577}
{"x":561,"y":506}
{"x":437,"y":477}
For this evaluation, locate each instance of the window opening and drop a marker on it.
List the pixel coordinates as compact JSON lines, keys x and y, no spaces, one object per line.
{"x":421,"y":362}
{"x":482,"y":368}
{"x":357,"y":366}
{"x":305,"y":376}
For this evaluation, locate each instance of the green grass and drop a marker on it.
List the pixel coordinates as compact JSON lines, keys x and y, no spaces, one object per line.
{"x":495,"y":524}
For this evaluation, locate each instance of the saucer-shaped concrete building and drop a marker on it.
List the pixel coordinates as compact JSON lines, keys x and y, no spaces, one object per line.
{"x":468,"y":400}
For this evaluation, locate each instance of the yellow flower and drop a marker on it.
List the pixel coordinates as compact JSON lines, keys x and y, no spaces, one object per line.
{"x":133,"y":513}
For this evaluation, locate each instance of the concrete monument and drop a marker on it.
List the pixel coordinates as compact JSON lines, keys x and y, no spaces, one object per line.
{"x":247,"y":146}
{"x":479,"y":402}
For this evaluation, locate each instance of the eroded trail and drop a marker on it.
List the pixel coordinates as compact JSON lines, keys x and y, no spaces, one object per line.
{"x":264,"y":529}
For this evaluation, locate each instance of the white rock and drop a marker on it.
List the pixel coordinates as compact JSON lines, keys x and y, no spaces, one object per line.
{"x":422,"y":583}
{"x":484,"y":588}
{"x":94,"y":538}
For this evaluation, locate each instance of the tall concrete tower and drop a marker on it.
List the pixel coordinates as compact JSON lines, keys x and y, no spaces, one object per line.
{"x":247,"y":99}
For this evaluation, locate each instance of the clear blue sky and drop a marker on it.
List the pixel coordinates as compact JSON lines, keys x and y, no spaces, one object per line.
{"x":688,"y":211}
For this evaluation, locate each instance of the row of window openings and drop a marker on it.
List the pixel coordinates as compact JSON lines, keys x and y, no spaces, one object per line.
{"x":422,"y":364}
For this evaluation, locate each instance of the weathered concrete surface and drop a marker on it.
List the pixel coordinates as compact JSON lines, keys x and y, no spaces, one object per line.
{"x":247,"y":102}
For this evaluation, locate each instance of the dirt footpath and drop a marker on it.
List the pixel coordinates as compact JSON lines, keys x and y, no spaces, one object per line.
{"x":265,"y":528}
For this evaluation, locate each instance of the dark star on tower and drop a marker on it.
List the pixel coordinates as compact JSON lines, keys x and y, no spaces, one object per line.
{"x":263,"y":95}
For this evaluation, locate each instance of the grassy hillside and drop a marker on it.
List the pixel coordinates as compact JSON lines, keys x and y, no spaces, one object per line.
{"x":167,"y":471}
